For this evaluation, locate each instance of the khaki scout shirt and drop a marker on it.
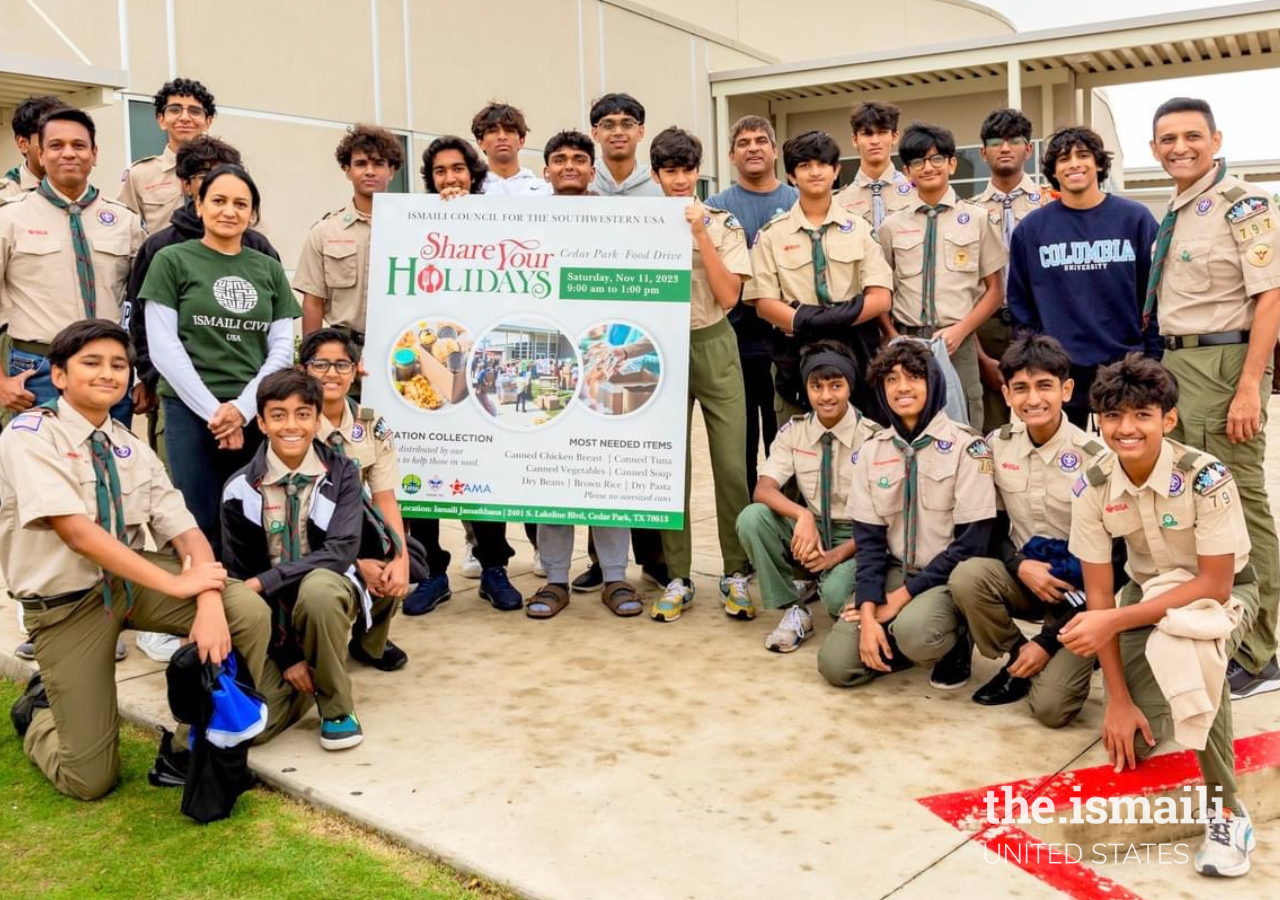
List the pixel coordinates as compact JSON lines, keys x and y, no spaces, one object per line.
{"x":969,"y":248}
{"x":897,"y":194}
{"x":1034,"y":483}
{"x":11,"y":190}
{"x":1225,"y":250}
{"x":731,"y":243}
{"x":797,"y":450}
{"x":1030,"y":198}
{"x":369,"y":442}
{"x":334,"y":266}
{"x":38,"y":263}
{"x":1167,"y":522}
{"x":46,"y":469}
{"x":782,"y":258}
{"x":953,"y":487}
{"x":274,"y":501}
{"x":152,"y":189}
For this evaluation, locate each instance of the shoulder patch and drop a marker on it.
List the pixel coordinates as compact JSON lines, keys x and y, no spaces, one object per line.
{"x":1211,"y":476}
{"x":1247,"y":209}
{"x":731,"y":222}
{"x":381,"y":430}
{"x":979,"y":449}
{"x":1078,"y":488}
{"x":28,"y":421}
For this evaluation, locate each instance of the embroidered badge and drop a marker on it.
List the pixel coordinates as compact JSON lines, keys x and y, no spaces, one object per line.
{"x":963,"y":218}
{"x":106,"y":217}
{"x":122,"y":452}
{"x":277,"y":526}
{"x":1034,"y":198}
{"x":1168,"y":521}
{"x":381,"y":430}
{"x":979,"y":449}
{"x":1186,"y":256}
{"x":1211,"y":476}
{"x":1068,"y":462}
{"x":706,"y":220}
{"x":943,"y":446}
{"x":846,"y":226}
{"x":357,"y":432}
{"x":1176,"y":485}
{"x":27,"y":422}
{"x":1079,"y":486}
{"x":730,"y":221}
{"x":1259,"y":255}
{"x":962,"y":257}
{"x":883,"y":482}
{"x":853,"y":460}
{"x":1247,"y":209}
{"x":904,"y":188}
{"x":1204,"y":206}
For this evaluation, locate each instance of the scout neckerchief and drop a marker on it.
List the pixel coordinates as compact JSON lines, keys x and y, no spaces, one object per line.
{"x":824,"y":489}
{"x":79,"y":242}
{"x":1006,"y":205}
{"x":1164,"y":237}
{"x":386,"y":535}
{"x":293,"y":483}
{"x":910,"y":452}
{"x":820,"y":285}
{"x":877,"y":202}
{"x":929,"y":289}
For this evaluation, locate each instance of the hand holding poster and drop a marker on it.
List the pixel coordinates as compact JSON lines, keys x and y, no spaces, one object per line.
{"x":532,"y":356}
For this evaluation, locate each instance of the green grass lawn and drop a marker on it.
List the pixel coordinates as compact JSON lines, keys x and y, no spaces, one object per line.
{"x":135,"y":843}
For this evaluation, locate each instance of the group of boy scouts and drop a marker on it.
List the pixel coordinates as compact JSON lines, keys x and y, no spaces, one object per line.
{"x":900,"y":322}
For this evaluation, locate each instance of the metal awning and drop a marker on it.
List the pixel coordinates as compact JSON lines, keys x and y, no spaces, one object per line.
{"x":76,"y":83}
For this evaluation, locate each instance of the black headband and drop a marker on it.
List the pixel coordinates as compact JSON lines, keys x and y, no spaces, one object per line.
{"x":829,"y":358}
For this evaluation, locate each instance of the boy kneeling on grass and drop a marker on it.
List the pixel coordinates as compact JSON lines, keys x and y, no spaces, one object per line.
{"x":291,"y":528}
{"x":78,"y":493}
{"x":1179,"y":513}
{"x":818,"y":449}
{"x":922,"y":499}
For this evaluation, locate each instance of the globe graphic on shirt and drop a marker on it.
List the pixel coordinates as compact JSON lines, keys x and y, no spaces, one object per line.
{"x":235,"y":294}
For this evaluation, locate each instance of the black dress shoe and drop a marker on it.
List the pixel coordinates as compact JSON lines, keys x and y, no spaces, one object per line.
{"x":1002,"y":689}
{"x":952,"y":671}
{"x":24,"y":709}
{"x":392,"y":656}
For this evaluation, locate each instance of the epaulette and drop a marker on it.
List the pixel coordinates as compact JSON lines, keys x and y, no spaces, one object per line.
{"x":142,"y":160}
{"x":1092,"y":447}
{"x":1095,"y":475}
{"x":365,"y":414}
{"x":1006,"y":431}
{"x":113,"y":202}
{"x":1187,"y":461}
{"x":330,"y":213}
{"x":1234,"y":193}
{"x":778,"y":217}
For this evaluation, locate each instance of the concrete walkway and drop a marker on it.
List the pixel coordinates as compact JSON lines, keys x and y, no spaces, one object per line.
{"x":595,"y":758}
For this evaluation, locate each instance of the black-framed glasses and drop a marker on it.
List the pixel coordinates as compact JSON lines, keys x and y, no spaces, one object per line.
{"x":341,"y":366}
{"x":938,"y":160}
{"x":177,"y":109}
{"x":995,"y":142}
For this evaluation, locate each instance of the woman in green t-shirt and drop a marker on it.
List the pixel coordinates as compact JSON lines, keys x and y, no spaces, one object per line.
{"x":219,"y":319}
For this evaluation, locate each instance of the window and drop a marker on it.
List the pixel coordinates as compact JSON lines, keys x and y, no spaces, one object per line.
{"x":971,"y":172}
{"x":400,"y":183}
{"x":145,"y":137}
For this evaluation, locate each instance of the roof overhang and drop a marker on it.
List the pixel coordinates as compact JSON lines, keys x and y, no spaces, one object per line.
{"x":76,"y":83}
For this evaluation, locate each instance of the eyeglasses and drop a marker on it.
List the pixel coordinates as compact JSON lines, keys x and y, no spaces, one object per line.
{"x":608,"y":125}
{"x":341,"y":366}
{"x":995,"y":142}
{"x":177,"y":109}
{"x":938,"y":160}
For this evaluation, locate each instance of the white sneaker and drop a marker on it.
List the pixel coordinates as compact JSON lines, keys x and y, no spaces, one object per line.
{"x":1228,"y":841}
{"x":795,"y":627}
{"x":159,"y":647}
{"x":538,"y":568}
{"x":470,"y":565}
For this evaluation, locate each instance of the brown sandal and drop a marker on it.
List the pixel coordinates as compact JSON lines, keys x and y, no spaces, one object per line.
{"x":619,"y":594}
{"x":550,"y":596}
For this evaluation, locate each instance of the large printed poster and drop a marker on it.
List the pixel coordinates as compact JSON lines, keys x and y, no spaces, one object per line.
{"x":532,"y":355}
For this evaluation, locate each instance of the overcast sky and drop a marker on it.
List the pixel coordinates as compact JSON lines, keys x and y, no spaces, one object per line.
{"x":1244,"y":104}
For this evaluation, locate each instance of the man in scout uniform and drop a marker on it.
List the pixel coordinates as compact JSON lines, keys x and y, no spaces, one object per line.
{"x":291,"y":528}
{"x":721,"y":264}
{"x":1009,"y":195}
{"x":72,"y":477}
{"x":817,"y":272}
{"x":64,"y":255}
{"x":947,"y":259}
{"x":26,"y":175}
{"x":1180,"y":515}
{"x":333,"y":270}
{"x":1038,"y":458}
{"x":878,"y":190}
{"x":921,"y":499}
{"x":184,"y":109}
{"x":1215,"y":288}
{"x":818,"y":449}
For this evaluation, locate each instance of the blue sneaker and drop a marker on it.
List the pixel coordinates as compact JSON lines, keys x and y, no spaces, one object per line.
{"x":427,"y":595}
{"x":340,"y":733}
{"x":497,"y":588}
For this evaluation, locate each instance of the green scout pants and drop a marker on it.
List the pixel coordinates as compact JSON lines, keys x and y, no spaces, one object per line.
{"x":994,"y":335}
{"x":1207,"y":379}
{"x":75,"y":742}
{"x":1217,"y":759}
{"x":924,"y":632}
{"x":328,"y":605}
{"x":989,"y":598}
{"x":767,"y":539}
{"x":715,"y":381}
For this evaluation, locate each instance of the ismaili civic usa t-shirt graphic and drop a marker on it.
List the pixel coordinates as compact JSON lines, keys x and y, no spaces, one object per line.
{"x":235,"y":294}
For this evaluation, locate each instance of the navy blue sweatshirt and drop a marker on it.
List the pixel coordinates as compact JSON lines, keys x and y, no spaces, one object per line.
{"x":1080,"y":275}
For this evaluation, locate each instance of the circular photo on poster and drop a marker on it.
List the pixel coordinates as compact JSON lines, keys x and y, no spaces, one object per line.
{"x":428,"y":364}
{"x":621,"y":369}
{"x":523,"y":373}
